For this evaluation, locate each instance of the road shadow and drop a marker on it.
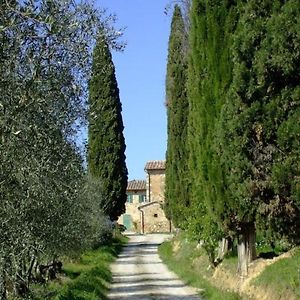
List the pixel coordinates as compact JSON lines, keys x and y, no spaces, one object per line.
{"x":154,"y":297}
{"x":124,"y":279}
{"x":141,"y":287}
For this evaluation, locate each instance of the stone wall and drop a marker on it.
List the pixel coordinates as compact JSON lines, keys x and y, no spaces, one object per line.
{"x":155,"y":219}
{"x":155,"y":185}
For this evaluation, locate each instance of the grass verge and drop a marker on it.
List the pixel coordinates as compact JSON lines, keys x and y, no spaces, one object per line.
{"x":191,"y":265}
{"x":87,"y":278}
{"x":282,"y":278}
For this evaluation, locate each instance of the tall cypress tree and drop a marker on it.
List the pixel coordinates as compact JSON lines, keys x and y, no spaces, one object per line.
{"x":260,"y":125}
{"x":106,"y":144}
{"x":209,"y":75}
{"x":177,"y":111}
{"x":243,"y":126}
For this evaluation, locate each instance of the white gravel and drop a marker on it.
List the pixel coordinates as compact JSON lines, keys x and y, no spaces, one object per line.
{"x":139,"y":274}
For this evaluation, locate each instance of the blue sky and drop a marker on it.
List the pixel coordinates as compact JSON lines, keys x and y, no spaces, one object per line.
{"x":140,"y":71}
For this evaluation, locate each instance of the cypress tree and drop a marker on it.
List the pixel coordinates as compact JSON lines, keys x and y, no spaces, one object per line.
{"x":243,"y":126}
{"x":177,"y":112}
{"x":106,"y":144}
{"x":260,"y":125}
{"x":209,"y":75}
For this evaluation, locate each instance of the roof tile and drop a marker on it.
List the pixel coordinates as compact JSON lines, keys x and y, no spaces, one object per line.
{"x":136,"y":185}
{"x":156,"y":165}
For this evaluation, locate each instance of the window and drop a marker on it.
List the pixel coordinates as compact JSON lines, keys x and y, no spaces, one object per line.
{"x":129,"y":198}
{"x":142,"y":198}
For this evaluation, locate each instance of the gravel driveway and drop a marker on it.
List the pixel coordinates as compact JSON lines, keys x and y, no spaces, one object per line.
{"x":139,"y":274}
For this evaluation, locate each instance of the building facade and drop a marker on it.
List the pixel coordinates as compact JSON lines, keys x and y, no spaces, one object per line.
{"x":136,"y":196}
{"x":145,"y":200}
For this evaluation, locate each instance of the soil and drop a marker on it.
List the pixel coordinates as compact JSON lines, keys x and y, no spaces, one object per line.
{"x":244,"y":286}
{"x":139,"y":274}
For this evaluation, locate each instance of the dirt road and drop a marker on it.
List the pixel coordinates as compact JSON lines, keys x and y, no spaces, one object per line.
{"x":139,"y":274}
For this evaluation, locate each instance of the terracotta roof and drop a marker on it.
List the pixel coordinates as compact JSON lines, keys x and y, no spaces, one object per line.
{"x":136,"y":185}
{"x":156,"y":165}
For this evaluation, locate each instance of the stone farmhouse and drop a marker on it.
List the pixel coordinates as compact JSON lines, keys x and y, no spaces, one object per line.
{"x":145,"y":199}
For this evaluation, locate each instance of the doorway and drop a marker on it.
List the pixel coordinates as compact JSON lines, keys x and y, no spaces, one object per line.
{"x":127,"y":221}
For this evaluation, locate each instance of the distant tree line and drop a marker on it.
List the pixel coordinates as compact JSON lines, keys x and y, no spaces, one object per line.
{"x":233,"y":156}
{"x":49,"y":205}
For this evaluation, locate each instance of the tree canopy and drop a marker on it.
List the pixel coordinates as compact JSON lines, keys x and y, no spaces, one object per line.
{"x":45,"y":63}
{"x":243,"y":127}
{"x":177,"y":111}
{"x":106,"y":144}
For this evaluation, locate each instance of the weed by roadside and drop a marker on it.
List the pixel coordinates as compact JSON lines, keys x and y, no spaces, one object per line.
{"x":282,"y":278}
{"x":182,"y":263}
{"x":86,"y":278}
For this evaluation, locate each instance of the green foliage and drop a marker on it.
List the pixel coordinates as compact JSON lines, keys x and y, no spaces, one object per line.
{"x":243,"y":121}
{"x":85,"y":278}
{"x":45,"y":63}
{"x":176,"y":194}
{"x":185,"y":6}
{"x":209,"y":75}
{"x":106,"y":144}
{"x":259,"y":127}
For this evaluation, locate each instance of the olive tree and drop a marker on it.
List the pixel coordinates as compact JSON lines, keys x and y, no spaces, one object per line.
{"x":45,"y":62}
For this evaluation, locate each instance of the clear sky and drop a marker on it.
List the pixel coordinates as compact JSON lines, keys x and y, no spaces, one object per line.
{"x":140,"y":71}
